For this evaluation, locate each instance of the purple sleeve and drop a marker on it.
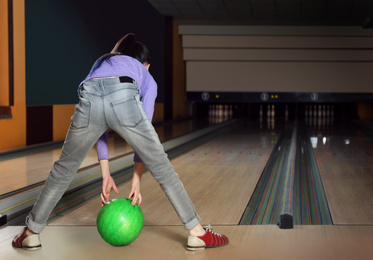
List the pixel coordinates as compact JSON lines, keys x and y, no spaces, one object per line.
{"x":136,"y":158}
{"x":102,"y":147}
{"x":148,"y":98}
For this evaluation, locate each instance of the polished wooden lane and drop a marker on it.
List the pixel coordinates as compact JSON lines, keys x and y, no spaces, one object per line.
{"x":259,"y":242}
{"x":345,"y":160}
{"x":219,"y":176}
{"x":21,"y":171}
{"x":18,"y":173}
{"x":347,"y":175}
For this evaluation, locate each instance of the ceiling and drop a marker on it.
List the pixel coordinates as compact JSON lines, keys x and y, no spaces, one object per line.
{"x":268,"y":12}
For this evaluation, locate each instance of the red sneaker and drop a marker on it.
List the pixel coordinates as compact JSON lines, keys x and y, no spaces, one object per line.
{"x":27,"y":242}
{"x":209,"y":239}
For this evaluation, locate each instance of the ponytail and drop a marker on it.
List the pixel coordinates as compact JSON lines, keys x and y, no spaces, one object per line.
{"x":130,"y":47}
{"x":127,"y":45}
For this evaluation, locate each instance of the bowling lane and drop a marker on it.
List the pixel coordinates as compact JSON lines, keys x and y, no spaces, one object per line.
{"x":344,"y":156}
{"x":29,"y":167}
{"x":219,"y":176}
{"x":257,"y":242}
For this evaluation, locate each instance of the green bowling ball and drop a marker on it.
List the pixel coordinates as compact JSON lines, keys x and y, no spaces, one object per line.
{"x":119,"y":223}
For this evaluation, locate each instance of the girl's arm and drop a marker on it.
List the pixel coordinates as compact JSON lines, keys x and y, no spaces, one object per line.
{"x":108,"y":182}
{"x":135,"y":194}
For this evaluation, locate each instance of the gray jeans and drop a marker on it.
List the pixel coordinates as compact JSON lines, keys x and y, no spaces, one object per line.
{"x":106,"y":103}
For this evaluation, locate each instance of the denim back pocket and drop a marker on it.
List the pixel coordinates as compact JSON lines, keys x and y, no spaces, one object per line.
{"x":127,"y":111}
{"x":82,"y":114}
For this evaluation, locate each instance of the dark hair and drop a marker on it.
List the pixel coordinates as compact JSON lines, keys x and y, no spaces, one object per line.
{"x":127,"y":45}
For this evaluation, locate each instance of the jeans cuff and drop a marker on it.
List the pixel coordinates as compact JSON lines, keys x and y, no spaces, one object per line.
{"x":192,"y":224}
{"x":33,"y":226}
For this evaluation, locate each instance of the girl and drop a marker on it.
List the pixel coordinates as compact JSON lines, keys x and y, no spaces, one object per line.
{"x":118,"y":93}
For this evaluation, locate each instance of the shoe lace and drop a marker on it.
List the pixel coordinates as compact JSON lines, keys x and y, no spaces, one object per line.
{"x":209,"y":228}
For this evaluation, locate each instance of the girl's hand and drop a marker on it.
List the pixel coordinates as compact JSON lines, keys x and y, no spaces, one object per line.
{"x":108,"y":183}
{"x":135,"y":194}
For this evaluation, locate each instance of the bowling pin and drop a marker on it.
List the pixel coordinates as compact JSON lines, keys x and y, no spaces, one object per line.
{"x":286,"y":113}
{"x":261,"y":113}
{"x":315,"y":111}
{"x":320,"y":112}
{"x":272,"y":123}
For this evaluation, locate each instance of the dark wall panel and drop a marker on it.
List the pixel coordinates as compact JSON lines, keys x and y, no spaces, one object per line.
{"x":39,"y":124}
{"x":65,"y":37}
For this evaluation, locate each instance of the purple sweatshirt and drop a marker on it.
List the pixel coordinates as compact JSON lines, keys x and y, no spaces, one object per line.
{"x":121,"y":65}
